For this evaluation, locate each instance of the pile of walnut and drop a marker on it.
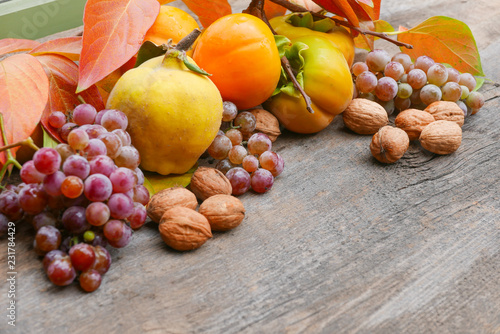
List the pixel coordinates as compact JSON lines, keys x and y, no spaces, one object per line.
{"x":438,"y":127}
{"x":181,"y":226}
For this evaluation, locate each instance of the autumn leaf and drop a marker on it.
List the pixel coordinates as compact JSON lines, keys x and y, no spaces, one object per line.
{"x":366,"y":41}
{"x":341,"y":8}
{"x":63,"y":79}
{"x":272,"y":10}
{"x":8,"y":45}
{"x":24,"y":89}
{"x":445,"y":40}
{"x":208,"y":10}
{"x":113,"y":32}
{"x":70,"y":47}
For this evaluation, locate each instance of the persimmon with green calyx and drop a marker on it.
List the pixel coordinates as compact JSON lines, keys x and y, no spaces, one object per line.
{"x":302,"y":24}
{"x":174,"y":113}
{"x":324,"y":75}
{"x":240,"y":52}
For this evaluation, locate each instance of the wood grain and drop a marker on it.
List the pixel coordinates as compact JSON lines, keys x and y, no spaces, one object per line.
{"x":341,"y":244}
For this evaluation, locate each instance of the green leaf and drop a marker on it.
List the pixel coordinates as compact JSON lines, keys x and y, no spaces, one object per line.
{"x":147,"y":51}
{"x":192,"y":65}
{"x":324,"y":25}
{"x":48,"y":141}
{"x":155,"y":182}
{"x":282,"y":43}
{"x":294,"y":55}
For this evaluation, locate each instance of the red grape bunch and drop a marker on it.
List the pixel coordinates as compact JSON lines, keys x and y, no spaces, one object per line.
{"x":81,"y":195}
{"x":247,"y":164}
{"x":398,"y":83}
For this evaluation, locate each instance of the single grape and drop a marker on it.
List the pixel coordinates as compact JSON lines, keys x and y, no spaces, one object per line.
{"x":141,"y":194}
{"x":82,"y":256}
{"x":366,"y":82}
{"x":102,"y":261}
{"x":140,"y":175}
{"x":417,"y":78}
{"x":97,"y":213}
{"x":437,"y":74}
{"x":114,"y":229}
{"x":246,"y":122}
{"x":402,"y":104}
{"x":113,"y":144}
{"x":78,"y":139}
{"x":259,"y":143}
{"x":102,"y":164}
{"x":123,"y":179}
{"x":9,"y":205}
{"x":403,"y":59}
{"x":239,"y":179}
{"x":79,"y":201}
{"x":404,"y":90}
{"x":424,"y":63}
{"x":237,"y":154}
{"x":453,"y":75}
{"x":61,"y":272}
{"x":76,"y":165}
{"x":124,"y":240}
{"x":95,"y":130}
{"x":465,"y":92}
{"x":138,"y":217}
{"x":90,"y":280}
{"x":251,"y":163}
{"x":84,"y":114}
{"x":462,"y":106}
{"x":120,"y":206}
{"x":73,"y":220}
{"x":430,"y":93}
{"x":88,"y":236}
{"x":262,"y":180}
{"x":377,"y":59}
{"x":32,"y":199}
{"x":386,"y":89}
{"x":129,"y":157}
{"x":468,"y":80}
{"x":404,"y":78}
{"x":224,"y":165}
{"x":52,"y":183}
{"x":114,"y":119}
{"x":44,"y":218}
{"x":389,"y":106}
{"x":52,"y":256}
{"x":29,"y":173}
{"x":394,"y":70}
{"x":229,"y":111}
{"x":66,"y":129}
{"x":220,"y":147}
{"x":72,"y":186}
{"x":57,"y":119}
{"x":98,"y":188}
{"x":358,"y":68}
{"x":124,"y":136}
{"x":98,"y":116}
{"x":475,"y":100}
{"x":94,"y":148}
{"x":47,"y":160}
{"x":64,"y":151}
{"x":48,"y":238}
{"x":235,"y":136}
{"x":451,"y":91}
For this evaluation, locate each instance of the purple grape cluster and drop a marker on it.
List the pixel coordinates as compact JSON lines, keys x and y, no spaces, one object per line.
{"x":247,"y":164}
{"x":80,"y":195}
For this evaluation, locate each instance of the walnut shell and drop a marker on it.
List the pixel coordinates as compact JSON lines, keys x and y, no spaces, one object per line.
{"x":412,"y":121}
{"x":184,"y":229}
{"x":266,"y":123}
{"x":207,"y":181}
{"x":223,"y":212}
{"x":169,"y":198}
{"x":441,"y":137}
{"x":446,"y":110}
{"x":389,"y":144}
{"x":364,"y":116}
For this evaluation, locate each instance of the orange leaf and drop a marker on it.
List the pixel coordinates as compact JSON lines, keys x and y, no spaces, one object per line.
{"x":70,"y":47}
{"x":445,"y":40}
{"x":341,"y":8}
{"x":8,"y":45}
{"x":24,"y":89}
{"x":366,"y":41}
{"x":366,"y":10}
{"x":63,"y":79}
{"x":113,"y":32}
{"x":272,"y":10}
{"x":208,"y":10}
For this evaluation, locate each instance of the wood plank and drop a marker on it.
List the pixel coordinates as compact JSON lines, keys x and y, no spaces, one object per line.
{"x":341,"y":244}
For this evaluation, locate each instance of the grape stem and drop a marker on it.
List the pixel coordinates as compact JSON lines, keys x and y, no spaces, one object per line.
{"x":256,"y":8}
{"x":382,"y":35}
{"x":10,"y":158}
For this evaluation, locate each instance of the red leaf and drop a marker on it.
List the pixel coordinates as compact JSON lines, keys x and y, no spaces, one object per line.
{"x":209,"y":10}
{"x":63,"y":79}
{"x":70,"y":47}
{"x":366,"y":11}
{"x":24,"y":89}
{"x":341,"y":8}
{"x":8,"y":45}
{"x":113,"y":32}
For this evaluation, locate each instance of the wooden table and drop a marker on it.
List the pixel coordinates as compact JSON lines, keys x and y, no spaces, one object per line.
{"x":342,"y":244}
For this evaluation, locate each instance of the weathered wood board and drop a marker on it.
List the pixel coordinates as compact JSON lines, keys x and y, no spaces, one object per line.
{"x":342,"y":244}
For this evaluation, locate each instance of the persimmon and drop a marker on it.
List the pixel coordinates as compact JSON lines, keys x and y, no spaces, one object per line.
{"x":240,"y":52}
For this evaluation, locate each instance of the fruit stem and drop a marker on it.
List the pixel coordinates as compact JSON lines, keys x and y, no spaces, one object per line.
{"x":185,"y":43}
{"x":382,"y":35}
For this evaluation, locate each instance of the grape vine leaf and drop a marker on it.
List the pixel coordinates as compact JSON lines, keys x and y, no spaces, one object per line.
{"x":113,"y":32}
{"x":70,"y":47}
{"x":63,"y":78}
{"x":24,"y":89}
{"x":8,"y":45}
{"x":208,"y":10}
{"x":446,"y":40}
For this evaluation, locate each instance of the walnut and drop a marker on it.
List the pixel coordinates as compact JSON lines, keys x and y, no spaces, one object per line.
{"x":364,"y":116}
{"x":207,"y":181}
{"x":169,"y":198}
{"x":389,"y":144}
{"x":266,"y":123}
{"x":184,"y":229}
{"x":441,"y":137}
{"x":446,"y":110}
{"x":412,"y":121}
{"x":223,"y":212}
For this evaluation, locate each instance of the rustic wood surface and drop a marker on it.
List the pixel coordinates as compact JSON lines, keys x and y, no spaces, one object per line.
{"x":342,"y":244}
